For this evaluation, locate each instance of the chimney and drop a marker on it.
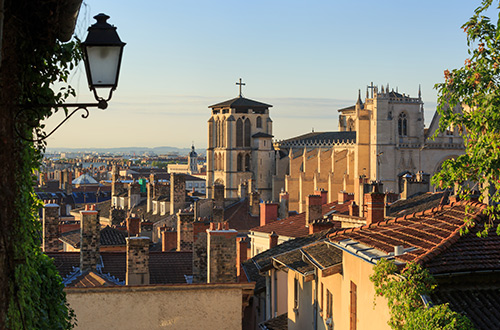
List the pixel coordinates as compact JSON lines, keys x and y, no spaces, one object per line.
{"x":324,"y":195}
{"x":273,"y":239}
{"x":149,"y":199}
{"x":185,"y":236}
{"x":375,"y":206}
{"x":254,"y":203}
{"x":137,"y":261}
{"x":268,"y":213}
{"x":50,"y":218}
{"x":199,"y":227}
{"x":343,"y":197}
{"x":218,"y":213}
{"x":133,"y":225}
{"x":168,"y":240}
{"x":221,"y":255}
{"x":320,"y":225}
{"x":284,"y":202}
{"x":115,"y":176}
{"x":314,"y":210}
{"x":90,"y":235}
{"x":177,"y":192}
{"x":241,"y":256}
{"x":354,"y":209}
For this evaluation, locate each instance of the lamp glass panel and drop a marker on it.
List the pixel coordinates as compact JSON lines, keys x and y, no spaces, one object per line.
{"x":103,"y":62}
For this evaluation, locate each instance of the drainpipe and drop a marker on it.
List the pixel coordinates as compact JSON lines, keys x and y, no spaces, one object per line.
{"x":275,"y":292}
{"x":268,"y":295}
{"x":315,"y":298}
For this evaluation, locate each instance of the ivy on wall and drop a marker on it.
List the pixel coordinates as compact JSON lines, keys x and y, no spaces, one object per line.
{"x":404,"y":298}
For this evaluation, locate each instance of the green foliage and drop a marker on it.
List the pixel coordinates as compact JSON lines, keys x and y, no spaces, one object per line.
{"x":38,"y":300}
{"x":403,"y":293}
{"x":475,"y":87}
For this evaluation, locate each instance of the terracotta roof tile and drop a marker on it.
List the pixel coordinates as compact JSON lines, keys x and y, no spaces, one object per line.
{"x":435,"y":238}
{"x":480,"y":304}
{"x":295,"y":225}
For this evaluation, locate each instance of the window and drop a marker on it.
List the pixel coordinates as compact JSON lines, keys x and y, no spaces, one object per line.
{"x":247,"y":132}
{"x":350,"y":125}
{"x":402,"y":124}
{"x":259,"y":122}
{"x":329,"y":304}
{"x":239,"y":133}
{"x":239,"y":163}
{"x":321,"y":300}
{"x":247,"y":162}
{"x":352,"y":307}
{"x":223,"y":133}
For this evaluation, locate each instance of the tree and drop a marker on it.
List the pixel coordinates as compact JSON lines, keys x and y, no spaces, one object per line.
{"x":32,"y":59}
{"x":404,"y":297}
{"x":476,"y":88}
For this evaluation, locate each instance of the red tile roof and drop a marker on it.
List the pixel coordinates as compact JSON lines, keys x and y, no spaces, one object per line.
{"x":295,"y":225}
{"x":239,"y":217}
{"x":436,"y":238}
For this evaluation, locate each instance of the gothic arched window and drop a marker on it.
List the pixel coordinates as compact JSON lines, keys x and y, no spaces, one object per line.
{"x":259,"y":122}
{"x":247,"y":131}
{"x":247,"y":162}
{"x":402,"y":124}
{"x":350,"y":125}
{"x":239,"y":163}
{"x":223,"y":133}
{"x":239,"y":133}
{"x":217,"y":133}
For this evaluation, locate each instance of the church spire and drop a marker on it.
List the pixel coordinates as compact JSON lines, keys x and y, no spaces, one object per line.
{"x":359,"y":103}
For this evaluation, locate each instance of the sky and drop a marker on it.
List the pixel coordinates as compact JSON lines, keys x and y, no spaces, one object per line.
{"x":306,"y":58}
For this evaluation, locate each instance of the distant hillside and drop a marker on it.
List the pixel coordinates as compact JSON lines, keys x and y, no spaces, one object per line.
{"x":128,"y":150}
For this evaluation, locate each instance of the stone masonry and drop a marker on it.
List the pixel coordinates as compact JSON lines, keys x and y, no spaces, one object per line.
{"x":51,"y":241}
{"x":177,"y":192}
{"x":221,"y":255}
{"x":89,"y":240}
{"x":185,"y":237}
{"x":137,"y":261}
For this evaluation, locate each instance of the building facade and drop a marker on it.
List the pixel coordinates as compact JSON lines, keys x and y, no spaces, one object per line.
{"x":382,"y":138}
{"x":240,"y":147}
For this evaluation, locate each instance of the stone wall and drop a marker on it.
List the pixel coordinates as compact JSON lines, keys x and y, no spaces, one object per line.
{"x":185,"y":237}
{"x":179,"y":307}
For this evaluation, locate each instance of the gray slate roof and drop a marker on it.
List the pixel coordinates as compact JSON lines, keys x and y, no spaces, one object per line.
{"x":241,"y":102}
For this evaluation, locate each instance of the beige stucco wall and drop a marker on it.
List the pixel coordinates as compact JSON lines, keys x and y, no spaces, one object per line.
{"x":369,"y":316}
{"x":176,"y":307}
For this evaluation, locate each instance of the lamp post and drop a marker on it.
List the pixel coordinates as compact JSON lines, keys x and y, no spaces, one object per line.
{"x":102,"y":56}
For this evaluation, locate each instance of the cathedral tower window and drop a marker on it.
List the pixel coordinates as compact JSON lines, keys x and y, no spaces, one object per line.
{"x":402,"y":124}
{"x":239,"y":163}
{"x":247,"y":162}
{"x":239,"y":133}
{"x":223,"y":133}
{"x":259,"y":122}
{"x":350,"y":125}
{"x":247,"y":131}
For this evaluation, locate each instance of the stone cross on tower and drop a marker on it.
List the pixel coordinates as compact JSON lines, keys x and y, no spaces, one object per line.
{"x":241,"y":84}
{"x":372,"y":88}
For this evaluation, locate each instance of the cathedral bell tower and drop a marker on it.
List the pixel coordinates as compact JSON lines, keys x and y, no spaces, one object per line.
{"x":240,"y":146}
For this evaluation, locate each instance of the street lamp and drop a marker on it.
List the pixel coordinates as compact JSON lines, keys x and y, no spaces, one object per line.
{"x":102,"y":56}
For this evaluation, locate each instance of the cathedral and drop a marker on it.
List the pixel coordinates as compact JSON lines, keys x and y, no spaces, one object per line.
{"x":382,"y":137}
